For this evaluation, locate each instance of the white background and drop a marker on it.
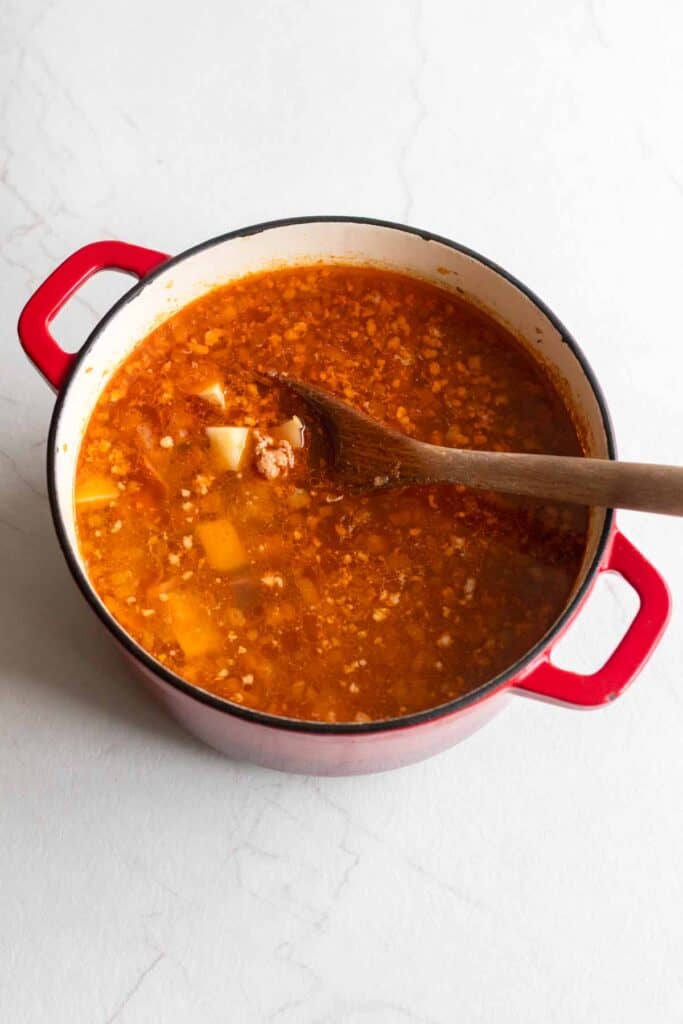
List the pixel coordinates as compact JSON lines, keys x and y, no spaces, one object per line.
{"x":532,"y":874}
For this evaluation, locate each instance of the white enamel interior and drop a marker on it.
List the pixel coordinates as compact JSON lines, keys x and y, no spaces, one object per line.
{"x":338,"y":242}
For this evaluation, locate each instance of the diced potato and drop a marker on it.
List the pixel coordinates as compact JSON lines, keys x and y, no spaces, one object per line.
{"x":292,"y":431}
{"x":222,"y":545}
{"x":191,"y":625}
{"x":96,"y":490}
{"x":228,"y":445}
{"x":213,"y":393}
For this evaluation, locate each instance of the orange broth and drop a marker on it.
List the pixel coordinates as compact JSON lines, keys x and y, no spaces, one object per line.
{"x":284,"y":594}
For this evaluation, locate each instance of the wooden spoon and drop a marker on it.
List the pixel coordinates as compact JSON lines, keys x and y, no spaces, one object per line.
{"x":369,"y":456}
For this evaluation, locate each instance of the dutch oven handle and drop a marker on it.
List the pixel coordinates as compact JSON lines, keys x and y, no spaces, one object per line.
{"x":34,"y":323}
{"x":548,"y":682}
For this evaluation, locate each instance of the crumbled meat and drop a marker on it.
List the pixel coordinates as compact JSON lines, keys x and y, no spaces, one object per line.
{"x":272,"y":457}
{"x":273,"y":579}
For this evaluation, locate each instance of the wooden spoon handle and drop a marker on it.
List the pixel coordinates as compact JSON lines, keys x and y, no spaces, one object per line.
{"x":602,"y":482}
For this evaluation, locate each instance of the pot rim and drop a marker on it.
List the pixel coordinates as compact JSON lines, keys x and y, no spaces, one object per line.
{"x":498,"y":682}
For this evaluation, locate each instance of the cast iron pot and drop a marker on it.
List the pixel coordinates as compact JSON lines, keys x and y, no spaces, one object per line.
{"x":165,"y":285}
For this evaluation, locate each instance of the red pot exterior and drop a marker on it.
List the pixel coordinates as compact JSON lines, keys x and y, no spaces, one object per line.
{"x":312,"y":752}
{"x":321,"y":748}
{"x":317,"y":752}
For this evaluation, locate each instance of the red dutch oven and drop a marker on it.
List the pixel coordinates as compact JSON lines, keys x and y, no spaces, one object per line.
{"x":166,"y":284}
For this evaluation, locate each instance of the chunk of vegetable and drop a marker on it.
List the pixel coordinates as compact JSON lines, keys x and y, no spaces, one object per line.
{"x":213,"y":393}
{"x":191,"y":625}
{"x":292,"y":431}
{"x":222,"y":545}
{"x":228,"y":445}
{"x":96,"y":490}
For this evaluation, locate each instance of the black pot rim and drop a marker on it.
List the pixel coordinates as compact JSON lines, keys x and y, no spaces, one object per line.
{"x":260,"y":717}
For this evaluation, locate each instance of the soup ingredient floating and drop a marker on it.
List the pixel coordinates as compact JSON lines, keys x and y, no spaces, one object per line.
{"x":369,"y":455}
{"x":280,"y":591}
{"x":273,"y":453}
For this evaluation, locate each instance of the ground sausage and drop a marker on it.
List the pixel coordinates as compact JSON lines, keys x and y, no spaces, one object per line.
{"x":272,"y":457}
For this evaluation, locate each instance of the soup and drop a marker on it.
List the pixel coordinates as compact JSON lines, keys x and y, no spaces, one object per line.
{"x":211,"y":527}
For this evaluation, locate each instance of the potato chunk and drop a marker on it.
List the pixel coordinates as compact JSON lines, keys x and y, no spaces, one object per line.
{"x":96,"y":490}
{"x":222,"y":545}
{"x":292,"y":431}
{"x":213,"y":393}
{"x":228,"y":445}
{"x":193,"y":629}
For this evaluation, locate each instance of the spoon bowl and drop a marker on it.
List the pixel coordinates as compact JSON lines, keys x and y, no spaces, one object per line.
{"x":369,"y":456}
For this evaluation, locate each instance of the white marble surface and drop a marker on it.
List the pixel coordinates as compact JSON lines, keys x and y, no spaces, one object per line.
{"x":532,"y":874}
